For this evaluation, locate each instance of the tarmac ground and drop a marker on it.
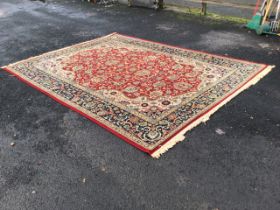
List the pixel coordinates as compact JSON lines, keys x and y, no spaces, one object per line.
{"x":60,"y":160}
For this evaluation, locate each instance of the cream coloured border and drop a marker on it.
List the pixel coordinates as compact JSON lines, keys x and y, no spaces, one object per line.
{"x":180,"y":136}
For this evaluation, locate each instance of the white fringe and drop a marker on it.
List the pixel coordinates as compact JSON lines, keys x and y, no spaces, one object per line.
{"x":180,"y":136}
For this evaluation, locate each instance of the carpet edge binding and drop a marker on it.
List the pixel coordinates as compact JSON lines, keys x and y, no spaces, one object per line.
{"x":181,"y":135}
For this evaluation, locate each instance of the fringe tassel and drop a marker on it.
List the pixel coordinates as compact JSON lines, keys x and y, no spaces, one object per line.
{"x":181,"y":136}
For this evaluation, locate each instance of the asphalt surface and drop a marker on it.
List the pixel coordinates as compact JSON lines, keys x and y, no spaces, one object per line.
{"x":61,"y":160}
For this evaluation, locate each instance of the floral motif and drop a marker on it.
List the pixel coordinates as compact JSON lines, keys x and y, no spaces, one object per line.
{"x":134,"y":73}
{"x":145,"y":92}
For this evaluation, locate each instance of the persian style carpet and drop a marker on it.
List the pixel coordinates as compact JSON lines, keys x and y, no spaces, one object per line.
{"x":148,"y":94}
